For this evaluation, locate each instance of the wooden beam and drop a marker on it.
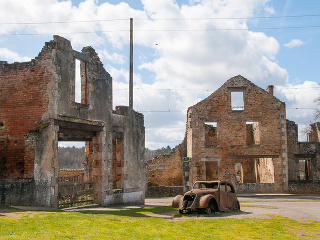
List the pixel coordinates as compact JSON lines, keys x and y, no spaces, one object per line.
{"x":74,"y":131}
{"x":254,"y":156}
{"x":83,"y":126}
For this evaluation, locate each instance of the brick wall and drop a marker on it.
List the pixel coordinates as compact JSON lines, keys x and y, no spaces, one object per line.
{"x":166,"y":169}
{"x":23,"y":100}
{"x":267,"y":139}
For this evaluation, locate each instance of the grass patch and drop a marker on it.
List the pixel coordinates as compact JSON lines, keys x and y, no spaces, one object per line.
{"x":280,"y":201}
{"x":255,"y":205}
{"x":137,"y":224}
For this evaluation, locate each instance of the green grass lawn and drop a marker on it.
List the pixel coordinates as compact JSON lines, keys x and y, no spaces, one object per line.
{"x":137,"y":224}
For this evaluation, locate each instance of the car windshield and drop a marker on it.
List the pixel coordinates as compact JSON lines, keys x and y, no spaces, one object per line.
{"x":201,"y":185}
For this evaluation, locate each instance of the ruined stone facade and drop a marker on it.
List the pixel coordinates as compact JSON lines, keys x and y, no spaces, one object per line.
{"x":38,"y":108}
{"x":166,"y":169}
{"x":304,"y":159}
{"x":239,"y":134}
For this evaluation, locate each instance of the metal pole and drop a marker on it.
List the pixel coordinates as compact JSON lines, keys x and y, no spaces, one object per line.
{"x":131,"y":66}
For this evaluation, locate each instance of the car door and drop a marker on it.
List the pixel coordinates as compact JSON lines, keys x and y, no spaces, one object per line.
{"x":231,"y":195}
{"x":223,"y":196}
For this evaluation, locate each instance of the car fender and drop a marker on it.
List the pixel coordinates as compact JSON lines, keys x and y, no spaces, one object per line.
{"x":204,"y":201}
{"x":177,"y":201}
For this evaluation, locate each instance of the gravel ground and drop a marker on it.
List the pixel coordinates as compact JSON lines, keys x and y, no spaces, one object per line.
{"x":298,"y":207}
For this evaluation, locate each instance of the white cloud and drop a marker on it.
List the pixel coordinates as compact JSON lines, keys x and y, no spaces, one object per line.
{"x":10,"y":56}
{"x":294,"y":43}
{"x":46,"y":11}
{"x":114,"y":57}
{"x":184,"y":64}
{"x":299,"y":100}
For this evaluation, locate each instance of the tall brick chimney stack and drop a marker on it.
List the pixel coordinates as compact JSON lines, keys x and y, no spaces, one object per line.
{"x":270,"y":89}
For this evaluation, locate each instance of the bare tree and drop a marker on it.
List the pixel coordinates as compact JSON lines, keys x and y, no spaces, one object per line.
{"x":317,"y":112}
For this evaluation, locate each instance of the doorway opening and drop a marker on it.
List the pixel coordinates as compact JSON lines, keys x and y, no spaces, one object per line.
{"x":117,"y":164}
{"x":305,"y":169}
{"x":74,"y":185}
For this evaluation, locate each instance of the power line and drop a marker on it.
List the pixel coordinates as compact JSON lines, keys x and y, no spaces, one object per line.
{"x":173,"y":111}
{"x":162,"y":19}
{"x":163,"y":30}
{"x":192,"y":89}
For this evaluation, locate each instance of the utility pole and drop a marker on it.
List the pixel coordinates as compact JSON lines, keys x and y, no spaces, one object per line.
{"x":131,"y":66}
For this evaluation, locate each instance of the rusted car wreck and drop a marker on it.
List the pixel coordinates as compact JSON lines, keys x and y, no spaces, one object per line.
{"x":210,"y":196}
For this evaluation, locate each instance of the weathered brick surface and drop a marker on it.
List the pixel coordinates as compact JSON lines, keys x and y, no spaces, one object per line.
{"x":164,"y":191}
{"x":38,"y":109}
{"x":309,"y":151}
{"x":23,"y":101}
{"x":267,"y":138}
{"x":166,"y":169}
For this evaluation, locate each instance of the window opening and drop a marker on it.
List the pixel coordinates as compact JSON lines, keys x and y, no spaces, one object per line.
{"x":237,"y":103}
{"x":211,"y":134}
{"x":239,"y":172}
{"x":255,"y":170}
{"x":305,"y":169}
{"x":212,"y":170}
{"x":117,"y":163}
{"x":252,"y":133}
{"x":80,"y":81}
{"x":77,"y":81}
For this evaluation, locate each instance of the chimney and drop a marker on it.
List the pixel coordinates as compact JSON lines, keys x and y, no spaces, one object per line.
{"x":270,"y":89}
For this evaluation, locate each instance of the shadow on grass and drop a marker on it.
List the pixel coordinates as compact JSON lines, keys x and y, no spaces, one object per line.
{"x":7,"y":209}
{"x":20,"y":209}
{"x":161,"y":212}
{"x":131,"y":212}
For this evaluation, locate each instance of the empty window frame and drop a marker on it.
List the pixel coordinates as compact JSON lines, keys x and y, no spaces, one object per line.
{"x":239,"y":172}
{"x":237,"y":103}
{"x":117,"y":163}
{"x":211,"y":134}
{"x":252,"y":133}
{"x":212,"y":170}
{"x":80,"y":81}
{"x":305,"y":169}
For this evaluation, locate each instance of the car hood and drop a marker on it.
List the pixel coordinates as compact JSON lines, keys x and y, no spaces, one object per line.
{"x":202,"y":191}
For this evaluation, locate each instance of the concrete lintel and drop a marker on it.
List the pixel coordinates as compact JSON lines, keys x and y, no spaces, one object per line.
{"x":80,"y":56}
{"x":210,"y":159}
{"x":77,"y":125}
{"x":254,"y":156}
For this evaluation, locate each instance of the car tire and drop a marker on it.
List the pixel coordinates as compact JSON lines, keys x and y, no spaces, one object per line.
{"x":236,"y":206}
{"x":208,"y":210}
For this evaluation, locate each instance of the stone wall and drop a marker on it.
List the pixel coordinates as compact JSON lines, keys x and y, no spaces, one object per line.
{"x":246,"y":134}
{"x":304,"y":187}
{"x":299,"y":152}
{"x":24,"y":100}
{"x":39,"y":108}
{"x":164,"y":191}
{"x":255,"y":187}
{"x":166,"y":169}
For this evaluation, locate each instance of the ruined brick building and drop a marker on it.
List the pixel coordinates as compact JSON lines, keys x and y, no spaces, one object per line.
{"x":38,"y":108}
{"x":240,"y":134}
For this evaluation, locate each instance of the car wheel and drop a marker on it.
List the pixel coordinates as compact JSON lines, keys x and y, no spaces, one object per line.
{"x":180,"y":211}
{"x":208,"y":210}
{"x":236,"y":205}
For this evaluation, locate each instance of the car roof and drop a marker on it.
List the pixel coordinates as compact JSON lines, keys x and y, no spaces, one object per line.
{"x":213,"y":182}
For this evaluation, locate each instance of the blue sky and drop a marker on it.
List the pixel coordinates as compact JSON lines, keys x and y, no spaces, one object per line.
{"x":183,"y":50}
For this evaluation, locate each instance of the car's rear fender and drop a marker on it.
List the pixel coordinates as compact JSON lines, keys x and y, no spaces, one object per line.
{"x":177,"y":201}
{"x":204,"y":201}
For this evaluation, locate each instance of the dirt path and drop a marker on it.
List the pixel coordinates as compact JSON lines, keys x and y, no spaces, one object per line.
{"x":298,"y":207}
